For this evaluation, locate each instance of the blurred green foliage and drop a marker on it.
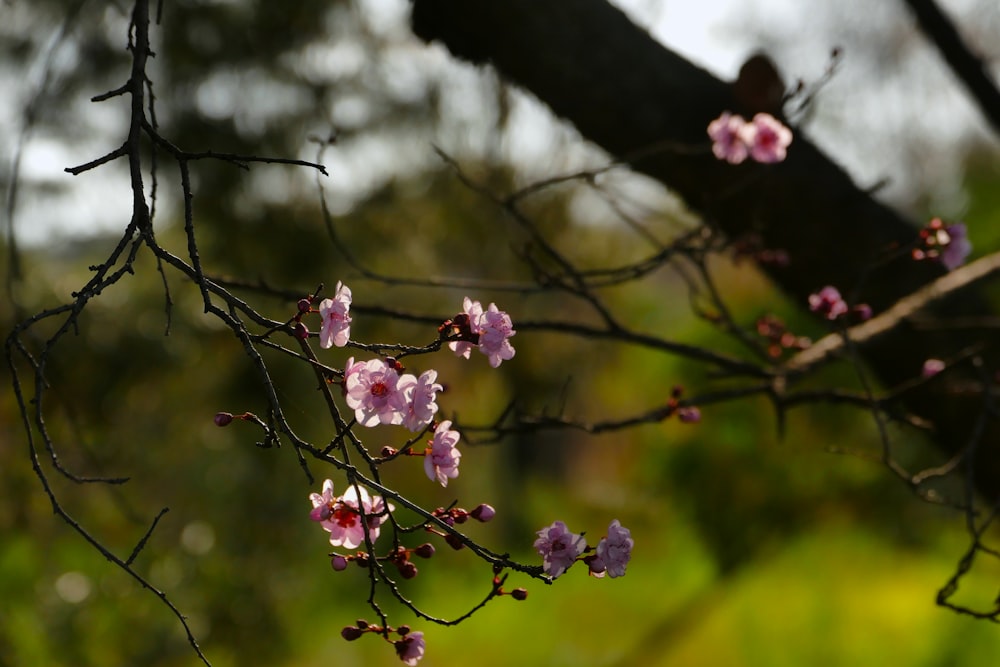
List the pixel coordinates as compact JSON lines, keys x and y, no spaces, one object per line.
{"x":751,"y":548}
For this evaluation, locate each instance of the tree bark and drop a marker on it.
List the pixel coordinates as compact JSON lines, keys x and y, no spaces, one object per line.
{"x":627,"y":93}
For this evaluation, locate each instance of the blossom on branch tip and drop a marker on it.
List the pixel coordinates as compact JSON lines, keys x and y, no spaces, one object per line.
{"x":615,"y":550}
{"x":764,"y":139}
{"x":488,"y":330}
{"x":419,"y":394}
{"x":410,"y":648}
{"x":558,"y":547}
{"x":958,"y":247}
{"x":441,"y":460}
{"x":931,"y":368}
{"x":371,"y":390}
{"x":336,"y":329}
{"x":946,"y":243}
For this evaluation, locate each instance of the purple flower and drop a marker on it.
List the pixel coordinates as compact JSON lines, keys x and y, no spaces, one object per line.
{"x":615,"y":550}
{"x":336,"y":329}
{"x":931,"y":368}
{"x":558,"y":547}
{"x":956,"y":246}
{"x":420,"y":395}
{"x":371,"y":390}
{"x":441,"y":462}
{"x":410,"y":648}
{"x":727,"y":140}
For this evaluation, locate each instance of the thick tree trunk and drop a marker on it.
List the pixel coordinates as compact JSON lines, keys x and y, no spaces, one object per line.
{"x":627,"y":93}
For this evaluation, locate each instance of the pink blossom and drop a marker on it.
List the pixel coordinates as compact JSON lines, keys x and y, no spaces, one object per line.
{"x":341,"y":517}
{"x":828,"y":302}
{"x":932,"y":367}
{"x":490,"y":329}
{"x":615,"y":550}
{"x":410,"y":648}
{"x":495,"y":328}
{"x":727,"y":140}
{"x":371,"y":390}
{"x":336,"y":329}
{"x":441,"y":461}
{"x":558,"y":547}
{"x":957,"y":247}
{"x":420,"y":395}
{"x":474,"y":311}
{"x":766,"y":138}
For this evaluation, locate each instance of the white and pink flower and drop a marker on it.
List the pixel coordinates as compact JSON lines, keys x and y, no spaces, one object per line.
{"x":764,"y":139}
{"x":341,"y":516}
{"x":442,"y":458}
{"x":490,"y":330}
{"x":727,"y":139}
{"x":420,"y":394}
{"x":336,"y":328}
{"x":371,"y":390}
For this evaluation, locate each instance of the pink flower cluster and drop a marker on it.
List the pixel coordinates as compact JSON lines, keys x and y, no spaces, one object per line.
{"x":560,"y":548}
{"x":763,"y":139}
{"x":488,"y":330}
{"x":341,"y":515}
{"x":948,"y":244}
{"x":378,"y":394}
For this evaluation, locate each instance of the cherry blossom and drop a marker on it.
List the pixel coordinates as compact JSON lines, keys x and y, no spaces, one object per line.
{"x":495,"y":328}
{"x":957,"y":248}
{"x":615,"y":550}
{"x":419,"y":395}
{"x":371,"y":390}
{"x":558,"y":547}
{"x":336,"y":329}
{"x":766,"y":138}
{"x":441,"y":460}
{"x":410,"y":648}
{"x":727,"y":140}
{"x":488,"y":330}
{"x":341,"y":516}
{"x":828,"y":302}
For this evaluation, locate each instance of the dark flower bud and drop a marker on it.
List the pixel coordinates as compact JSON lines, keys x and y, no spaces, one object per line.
{"x":519,"y":594}
{"x":223,"y":419}
{"x":425,"y":550}
{"x":350,"y":633}
{"x":453,"y":542}
{"x":304,"y":305}
{"x":408,"y":570}
{"x":301,"y":331}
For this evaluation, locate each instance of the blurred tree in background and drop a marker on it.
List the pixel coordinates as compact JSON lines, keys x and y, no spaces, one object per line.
{"x":755,"y":543}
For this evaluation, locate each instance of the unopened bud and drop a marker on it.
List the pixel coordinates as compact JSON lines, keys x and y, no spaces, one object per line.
{"x":403,"y":630}
{"x":304,"y":305}
{"x":460,"y":515}
{"x":425,"y":550}
{"x":408,"y":570}
{"x":453,"y":542}
{"x":301,"y":331}
{"x":519,"y":594}
{"x":483,"y":513}
{"x":350,"y":633}
{"x":689,"y":415}
{"x":388,"y":451}
{"x":338,"y":563}
{"x":223,"y":419}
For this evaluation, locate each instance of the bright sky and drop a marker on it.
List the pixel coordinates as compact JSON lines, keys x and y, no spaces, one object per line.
{"x":861,"y":117}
